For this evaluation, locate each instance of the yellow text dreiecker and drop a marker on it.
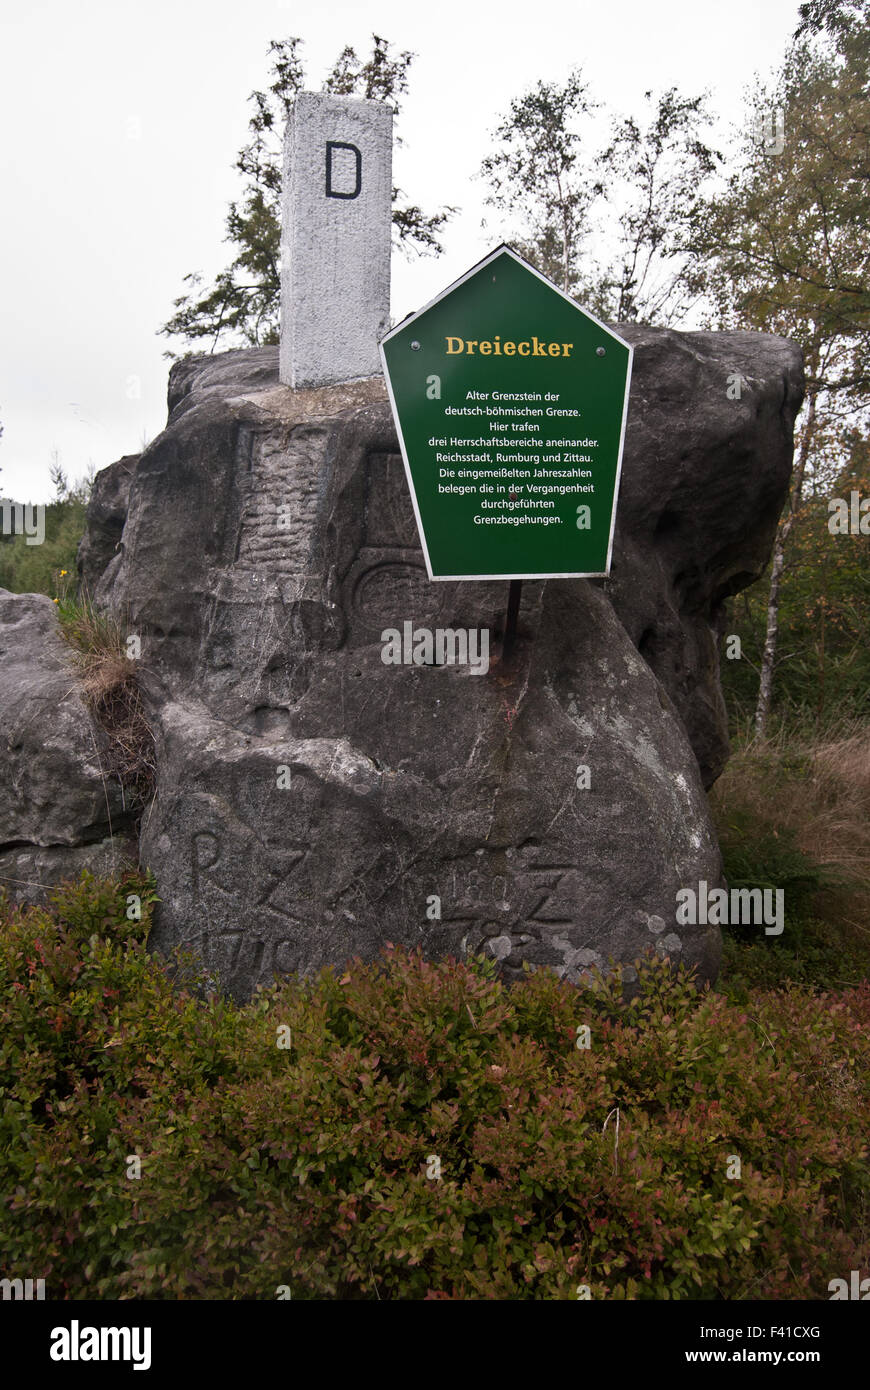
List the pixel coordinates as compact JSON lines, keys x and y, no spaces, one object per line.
{"x":534,"y":347}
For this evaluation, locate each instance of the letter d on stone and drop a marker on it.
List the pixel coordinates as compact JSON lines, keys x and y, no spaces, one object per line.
{"x":332,"y":192}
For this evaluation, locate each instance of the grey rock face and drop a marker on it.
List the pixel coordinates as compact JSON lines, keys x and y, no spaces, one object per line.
{"x":29,"y":874}
{"x":58,"y":813}
{"x":703,"y":481}
{"x":314,"y":801}
{"x":107,"y":512}
{"x":702,"y":485}
{"x":409,"y":791}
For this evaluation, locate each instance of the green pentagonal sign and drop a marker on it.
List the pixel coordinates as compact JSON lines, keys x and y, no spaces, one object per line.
{"x":510,"y":403}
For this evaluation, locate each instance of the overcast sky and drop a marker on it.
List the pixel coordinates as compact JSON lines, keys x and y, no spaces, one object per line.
{"x":121,"y":121}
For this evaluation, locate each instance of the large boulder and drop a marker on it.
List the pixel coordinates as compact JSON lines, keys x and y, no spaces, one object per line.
{"x":314,"y":800}
{"x":707,"y":461}
{"x":546,"y":814}
{"x":59,"y":811}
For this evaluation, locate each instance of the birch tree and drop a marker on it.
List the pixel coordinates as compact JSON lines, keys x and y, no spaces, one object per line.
{"x":787,"y":248}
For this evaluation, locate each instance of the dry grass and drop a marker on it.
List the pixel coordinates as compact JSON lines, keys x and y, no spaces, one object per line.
{"x":819,"y":789}
{"x":110,"y":685}
{"x":111,"y":688}
{"x":836,"y":829}
{"x":813,"y":790}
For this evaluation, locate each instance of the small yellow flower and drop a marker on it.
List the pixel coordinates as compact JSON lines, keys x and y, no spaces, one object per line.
{"x":62,"y":573}
{"x":54,"y":600}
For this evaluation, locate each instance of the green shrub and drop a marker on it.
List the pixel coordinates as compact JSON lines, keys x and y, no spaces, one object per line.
{"x":757,"y":856}
{"x":307,"y":1166}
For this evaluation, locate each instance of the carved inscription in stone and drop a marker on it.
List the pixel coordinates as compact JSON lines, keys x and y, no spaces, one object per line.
{"x":271,"y":932}
{"x":281,"y":494}
{"x":516,"y":904}
{"x":388,"y":592}
{"x":387,"y":584}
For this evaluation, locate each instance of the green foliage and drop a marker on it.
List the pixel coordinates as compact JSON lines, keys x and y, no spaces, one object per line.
{"x":761,"y":857}
{"x":786,"y":251}
{"x":242,"y":306}
{"x":654,"y":174}
{"x":264,"y":1166}
{"x":810,"y":953}
{"x":536,"y":175}
{"x":791,"y":813}
{"x":645,"y":183}
{"x":786,"y":240}
{"x":91,"y":632}
{"x":837,"y":17}
{"x":823,"y":658}
{"x":811,"y":950}
{"x":33,"y":569}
